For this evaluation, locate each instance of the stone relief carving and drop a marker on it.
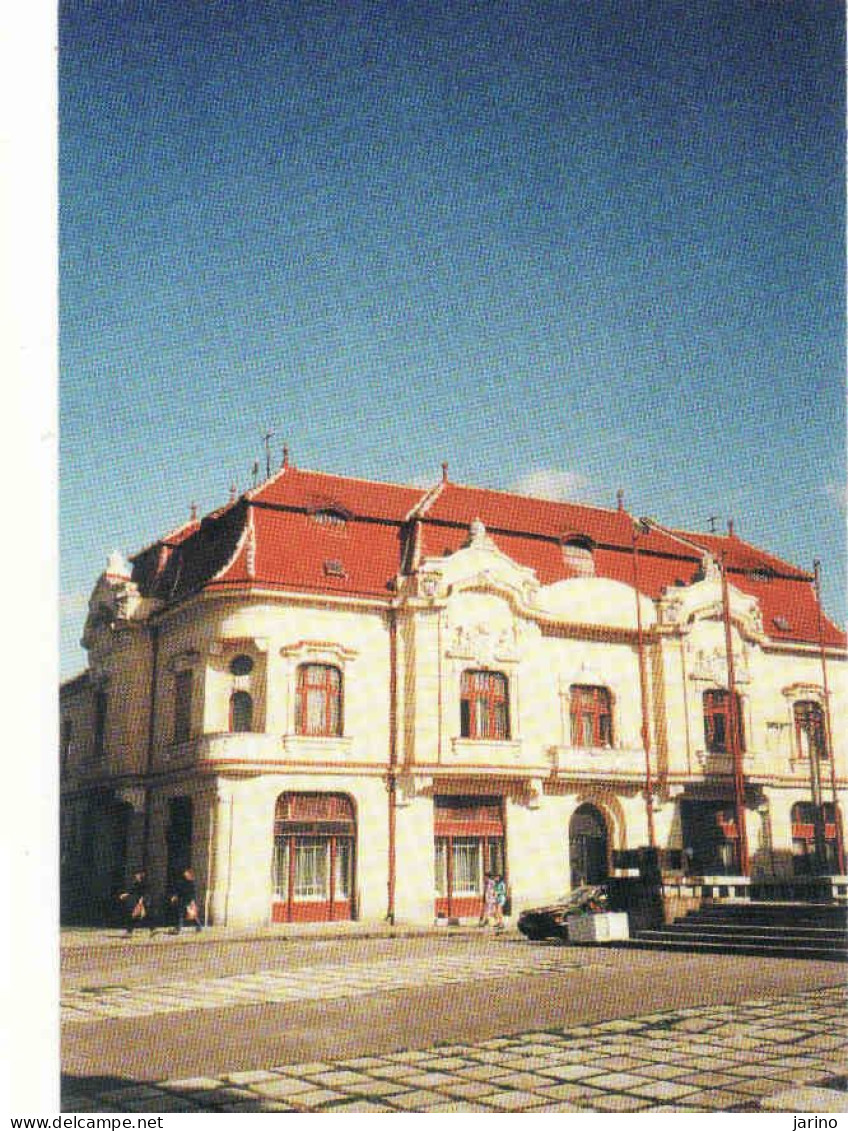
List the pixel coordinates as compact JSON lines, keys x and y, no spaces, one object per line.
{"x":484,"y":643}
{"x":711,"y":665}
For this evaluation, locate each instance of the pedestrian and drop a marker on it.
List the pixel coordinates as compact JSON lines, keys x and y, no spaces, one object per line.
{"x":489,"y":902}
{"x":185,"y":898}
{"x":135,"y":900}
{"x":500,"y":902}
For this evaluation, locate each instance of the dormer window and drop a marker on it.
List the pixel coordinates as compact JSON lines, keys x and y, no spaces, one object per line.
{"x":578,"y":555}
{"x":782,"y":623}
{"x":334,"y":568}
{"x":329,"y":516}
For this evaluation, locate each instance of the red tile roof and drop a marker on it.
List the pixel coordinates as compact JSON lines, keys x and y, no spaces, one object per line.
{"x":367,"y":546}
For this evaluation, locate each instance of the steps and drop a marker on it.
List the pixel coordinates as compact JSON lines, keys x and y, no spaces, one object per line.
{"x":776,"y":930}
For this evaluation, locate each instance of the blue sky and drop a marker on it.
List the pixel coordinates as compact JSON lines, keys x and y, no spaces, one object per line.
{"x":568,"y":247}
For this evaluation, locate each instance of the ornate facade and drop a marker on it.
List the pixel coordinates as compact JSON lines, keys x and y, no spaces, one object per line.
{"x":337,"y":698}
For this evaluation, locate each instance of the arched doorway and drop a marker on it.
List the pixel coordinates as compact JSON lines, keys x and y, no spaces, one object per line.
{"x":588,"y":846}
{"x":314,"y":844}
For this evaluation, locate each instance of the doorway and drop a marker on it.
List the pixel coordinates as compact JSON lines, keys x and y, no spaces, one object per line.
{"x":588,"y":846}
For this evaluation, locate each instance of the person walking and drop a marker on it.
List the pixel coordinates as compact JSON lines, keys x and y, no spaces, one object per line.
{"x":500,"y":902}
{"x":489,"y":902}
{"x":135,"y":900}
{"x":185,"y":898}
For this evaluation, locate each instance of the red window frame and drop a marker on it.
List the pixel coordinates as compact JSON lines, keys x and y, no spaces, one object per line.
{"x":809,"y":719}
{"x":717,"y":707}
{"x":596,"y":702}
{"x":484,"y":705}
{"x":321,"y":679}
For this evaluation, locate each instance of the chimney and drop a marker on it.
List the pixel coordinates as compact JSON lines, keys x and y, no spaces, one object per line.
{"x":445,"y":471}
{"x":619,"y":495}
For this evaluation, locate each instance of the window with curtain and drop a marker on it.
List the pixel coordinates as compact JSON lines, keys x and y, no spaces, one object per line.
{"x":717,"y":721}
{"x":484,"y":705}
{"x":591,"y":716}
{"x":318,"y":709}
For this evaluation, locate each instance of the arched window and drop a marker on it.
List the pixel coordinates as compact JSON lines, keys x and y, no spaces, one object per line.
{"x":241,"y":712}
{"x":809,"y":730}
{"x":591,"y":716}
{"x":717,"y":721}
{"x":318,"y":707}
{"x":484,"y":705}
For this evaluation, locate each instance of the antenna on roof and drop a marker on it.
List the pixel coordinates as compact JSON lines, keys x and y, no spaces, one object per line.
{"x":255,"y":470}
{"x":232,"y":492}
{"x":712,"y":520}
{"x":193,"y":512}
{"x":267,"y":439}
{"x":730,"y":528}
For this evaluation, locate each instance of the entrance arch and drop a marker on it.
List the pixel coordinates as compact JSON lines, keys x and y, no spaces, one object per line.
{"x":314,"y":866}
{"x":588,"y":846}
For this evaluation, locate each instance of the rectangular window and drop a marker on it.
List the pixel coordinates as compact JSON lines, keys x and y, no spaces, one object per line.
{"x":717,"y":722}
{"x":281,"y":867}
{"x":484,"y":706}
{"x":809,"y":730}
{"x":311,"y":868}
{"x":344,"y":870}
{"x":591,"y":716}
{"x":441,"y":866}
{"x":182,"y":706}
{"x":318,"y":708}
{"x":467,"y":879}
{"x":101,"y":706}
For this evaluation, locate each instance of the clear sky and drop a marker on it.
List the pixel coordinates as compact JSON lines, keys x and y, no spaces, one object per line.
{"x":567,"y":246}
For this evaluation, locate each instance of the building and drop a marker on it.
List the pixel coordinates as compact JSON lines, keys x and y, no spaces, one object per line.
{"x":338,"y":698}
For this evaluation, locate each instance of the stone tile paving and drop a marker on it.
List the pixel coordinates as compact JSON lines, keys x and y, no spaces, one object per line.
{"x":731,"y":1057}
{"x":83,"y":1005}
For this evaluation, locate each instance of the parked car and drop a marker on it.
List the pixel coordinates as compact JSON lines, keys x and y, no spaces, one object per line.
{"x":551,"y":921}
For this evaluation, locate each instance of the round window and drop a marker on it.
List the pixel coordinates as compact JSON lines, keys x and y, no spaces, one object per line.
{"x":241,"y":665}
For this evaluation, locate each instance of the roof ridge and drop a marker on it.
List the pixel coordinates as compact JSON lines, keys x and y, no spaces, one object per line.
{"x":165,"y":537}
{"x":335,"y":475}
{"x":536,"y":498}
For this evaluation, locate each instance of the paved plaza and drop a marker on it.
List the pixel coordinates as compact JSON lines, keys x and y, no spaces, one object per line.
{"x":779,"y":1053}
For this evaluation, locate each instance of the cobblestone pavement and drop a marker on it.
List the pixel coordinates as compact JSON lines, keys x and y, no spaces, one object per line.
{"x":305,"y":983}
{"x":783,"y":1054}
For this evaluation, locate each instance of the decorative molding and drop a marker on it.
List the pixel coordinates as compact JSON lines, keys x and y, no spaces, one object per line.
{"x":319,"y":651}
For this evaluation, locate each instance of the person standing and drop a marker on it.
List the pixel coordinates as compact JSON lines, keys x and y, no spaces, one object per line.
{"x":185,"y":898}
{"x":135,"y":901}
{"x":500,"y":902}
{"x":489,"y":902}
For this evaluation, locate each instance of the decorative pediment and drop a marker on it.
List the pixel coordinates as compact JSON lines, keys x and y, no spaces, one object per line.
{"x":683,"y":606}
{"x":479,"y":567}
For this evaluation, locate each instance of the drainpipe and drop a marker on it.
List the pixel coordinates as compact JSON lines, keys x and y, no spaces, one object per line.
{"x":151,"y":731}
{"x":733,"y":724}
{"x":828,"y":730}
{"x":391,"y":780}
{"x":643,"y":688}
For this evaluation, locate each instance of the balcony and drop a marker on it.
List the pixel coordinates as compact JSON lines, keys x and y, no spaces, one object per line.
{"x":475,"y":754}
{"x":721,"y":765}
{"x":246,"y":749}
{"x":593,"y":762}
